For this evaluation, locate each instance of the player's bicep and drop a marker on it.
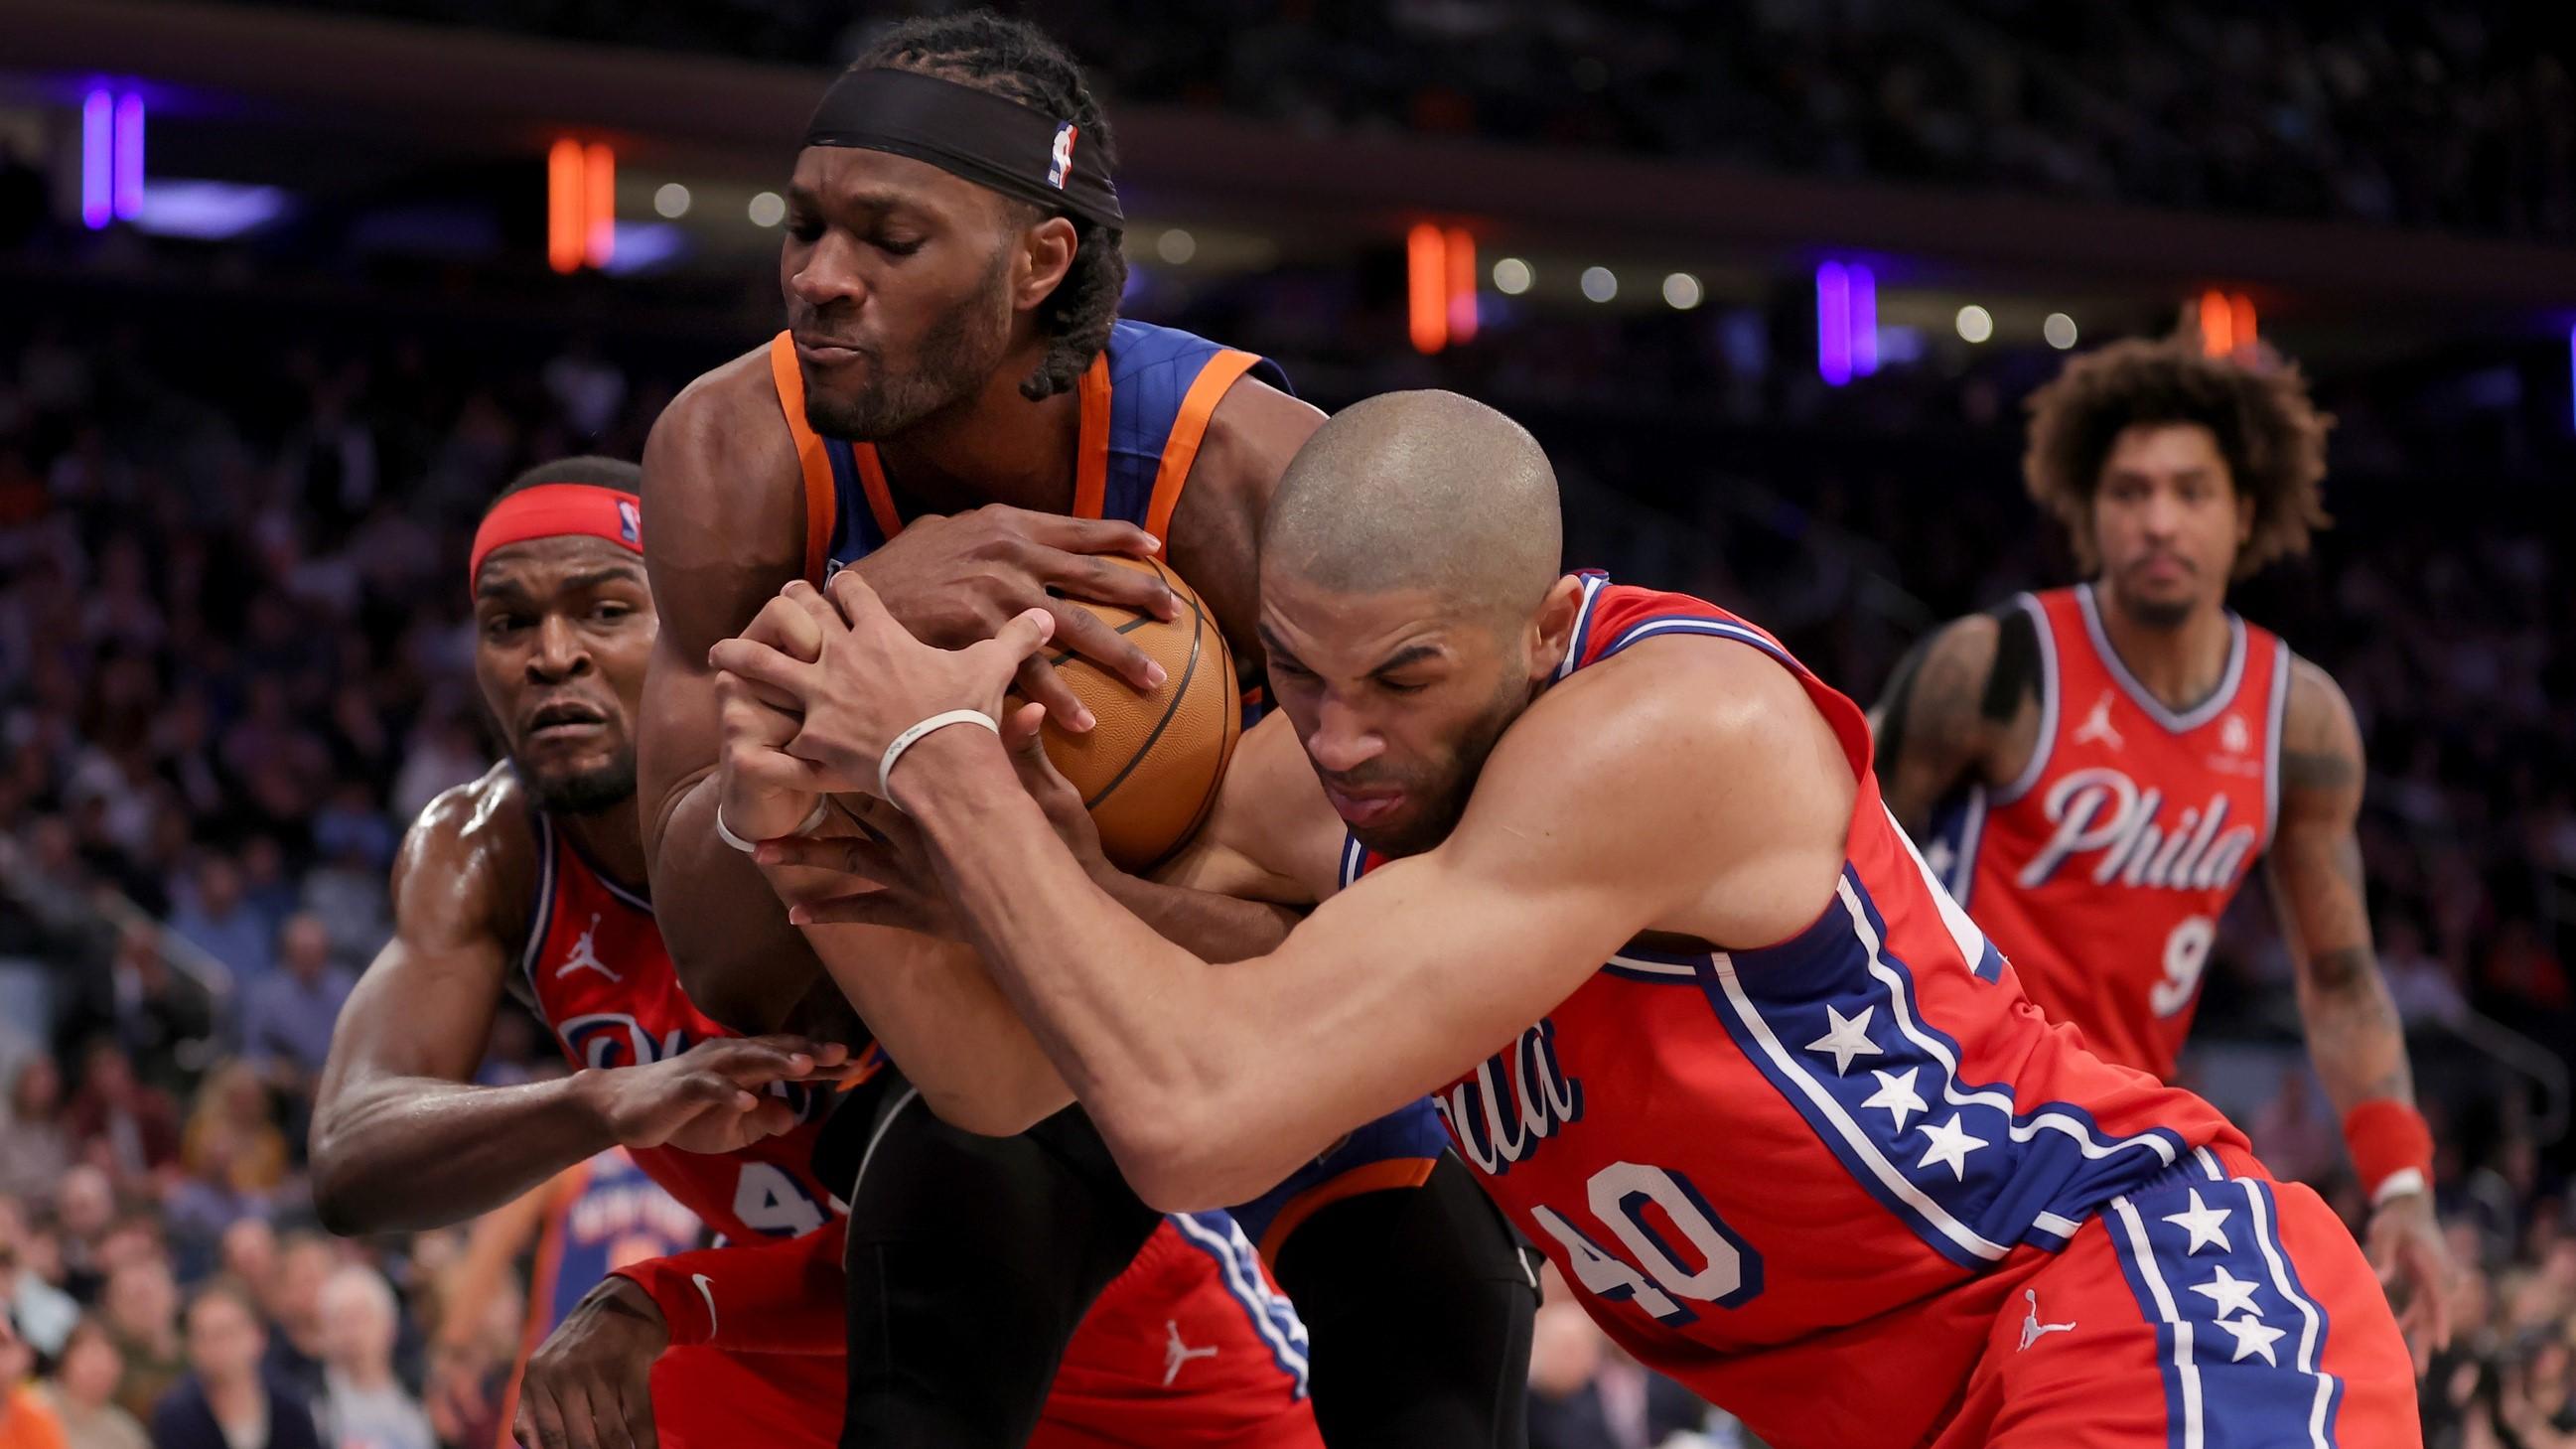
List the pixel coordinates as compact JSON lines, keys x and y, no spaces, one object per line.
{"x":424,"y":1007}
{"x":2315,"y":859}
{"x":1271,"y":835}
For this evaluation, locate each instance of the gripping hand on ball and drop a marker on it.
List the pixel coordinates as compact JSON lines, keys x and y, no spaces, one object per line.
{"x":869,"y":679}
{"x":885,"y":877}
{"x":955,"y":581}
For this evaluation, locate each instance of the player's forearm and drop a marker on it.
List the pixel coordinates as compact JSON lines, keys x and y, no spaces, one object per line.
{"x":1208,"y":926}
{"x":407,"y":1153}
{"x":1136,"y":1024}
{"x":2355,"y":1036}
{"x":941,"y":1018}
{"x":739,"y":960}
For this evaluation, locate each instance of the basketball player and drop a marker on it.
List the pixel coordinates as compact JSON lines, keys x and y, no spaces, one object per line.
{"x":2094,"y":771}
{"x":956,"y":413}
{"x":1609,"y":872}
{"x":515,"y":883}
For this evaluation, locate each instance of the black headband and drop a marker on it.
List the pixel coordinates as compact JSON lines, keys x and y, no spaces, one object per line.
{"x":985,"y":138}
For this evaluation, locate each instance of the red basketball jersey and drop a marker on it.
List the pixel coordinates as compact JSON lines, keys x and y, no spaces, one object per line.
{"x":1800,"y":1178}
{"x":2103,"y":869}
{"x":605,"y":986}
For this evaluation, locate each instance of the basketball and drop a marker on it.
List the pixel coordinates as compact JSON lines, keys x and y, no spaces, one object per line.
{"x":1149,"y":770}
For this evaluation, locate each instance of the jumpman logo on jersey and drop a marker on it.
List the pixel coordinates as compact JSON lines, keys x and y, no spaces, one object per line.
{"x":2032,"y":1330}
{"x":2097,"y":725}
{"x":584,"y":956}
{"x":1177,"y":1353}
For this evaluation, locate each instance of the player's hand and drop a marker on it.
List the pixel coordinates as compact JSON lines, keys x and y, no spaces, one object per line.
{"x":588,"y":1385}
{"x":761,"y":790}
{"x":880,"y":877}
{"x":955,"y":581}
{"x":885,"y":875}
{"x":2405,"y":1244}
{"x":714,"y":1097}
{"x":871,"y":679}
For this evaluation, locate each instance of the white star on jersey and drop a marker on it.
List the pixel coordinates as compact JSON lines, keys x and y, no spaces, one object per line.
{"x":1896,"y":1093}
{"x":1951,"y":1145}
{"x":2231,"y":1293}
{"x":2202,"y":1222}
{"x":1941,"y":857}
{"x":1848,"y":1039}
{"x":2253,"y":1337}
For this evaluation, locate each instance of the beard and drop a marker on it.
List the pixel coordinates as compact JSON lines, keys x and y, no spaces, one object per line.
{"x":957,"y":354}
{"x":581,"y":792}
{"x":1444,"y":797}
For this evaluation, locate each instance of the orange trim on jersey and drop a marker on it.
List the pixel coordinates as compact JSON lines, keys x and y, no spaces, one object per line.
{"x":1091,"y":453}
{"x":1393,"y":1172}
{"x":563,"y":1191}
{"x":1190,"y":429}
{"x":821,"y":508}
{"x":872,"y":482}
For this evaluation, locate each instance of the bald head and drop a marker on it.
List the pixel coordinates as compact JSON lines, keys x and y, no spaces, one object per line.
{"x":1420,"y":490}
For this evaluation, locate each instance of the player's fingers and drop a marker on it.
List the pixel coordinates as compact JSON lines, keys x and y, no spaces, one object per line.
{"x":637,"y":1394}
{"x":771,"y":1118}
{"x":786,"y":626}
{"x":899,"y":909}
{"x":1039,"y":681}
{"x":857,"y":603}
{"x":543,"y":1415}
{"x":1087,"y":535}
{"x":1024,"y":728}
{"x":824,"y":1053}
{"x":846,"y":855}
{"x":760,"y":664}
{"x":1081,"y":632}
{"x":1102,"y":582}
{"x":745,"y":702}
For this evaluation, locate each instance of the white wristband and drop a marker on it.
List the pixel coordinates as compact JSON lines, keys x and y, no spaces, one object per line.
{"x":822,"y":812}
{"x":2397,"y":1184}
{"x":913,"y":736}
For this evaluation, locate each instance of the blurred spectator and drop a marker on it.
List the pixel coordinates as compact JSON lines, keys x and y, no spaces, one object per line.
{"x":214,"y":915}
{"x":2422,"y":988}
{"x":141,"y":1314}
{"x":121,"y":1123}
{"x":42,"y":1312}
{"x":82,"y":1393}
{"x":286,"y":1032}
{"x":26,"y":1420}
{"x":442,"y":753}
{"x":365,"y":1406}
{"x":231,"y":1138}
{"x":84,"y":1210}
{"x":247,"y":1254}
{"x":1586,"y":1394}
{"x":227,"y":1401}
{"x":297,"y":1315}
{"x":34,"y":1148}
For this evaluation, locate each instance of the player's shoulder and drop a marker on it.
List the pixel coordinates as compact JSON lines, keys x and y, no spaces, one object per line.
{"x":1666,"y":715}
{"x":469,"y":862}
{"x":727,"y":420}
{"x":2317,"y":716}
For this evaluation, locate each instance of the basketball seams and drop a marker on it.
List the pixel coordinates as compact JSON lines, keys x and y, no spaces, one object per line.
{"x":1180,"y":691}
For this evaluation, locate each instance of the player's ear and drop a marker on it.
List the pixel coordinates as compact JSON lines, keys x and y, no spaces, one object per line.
{"x":1552,"y":628}
{"x":1044,"y":253}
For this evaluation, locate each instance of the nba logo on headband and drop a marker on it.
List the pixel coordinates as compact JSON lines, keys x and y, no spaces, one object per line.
{"x":630,"y":524}
{"x":1061,"y":163}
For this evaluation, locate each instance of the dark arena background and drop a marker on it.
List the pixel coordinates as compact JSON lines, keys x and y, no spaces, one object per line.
{"x":288,"y":291}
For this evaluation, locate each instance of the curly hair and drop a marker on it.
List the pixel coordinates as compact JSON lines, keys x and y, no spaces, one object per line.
{"x":2273,"y":438}
{"x":1015,"y":59}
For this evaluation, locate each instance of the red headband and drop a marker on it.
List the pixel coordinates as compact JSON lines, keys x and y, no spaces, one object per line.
{"x":553,"y":510}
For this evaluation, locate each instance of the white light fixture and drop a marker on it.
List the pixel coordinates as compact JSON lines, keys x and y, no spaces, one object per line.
{"x":1975,"y":323}
{"x":1682,"y":291}
{"x":2059,"y":329}
{"x":768,"y":209}
{"x":1599,"y":284}
{"x":1512,"y":276}
{"x":1176,"y":246}
{"x":671,"y":200}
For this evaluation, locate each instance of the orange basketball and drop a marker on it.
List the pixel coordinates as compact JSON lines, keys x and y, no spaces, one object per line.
{"x":1148,"y":771}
